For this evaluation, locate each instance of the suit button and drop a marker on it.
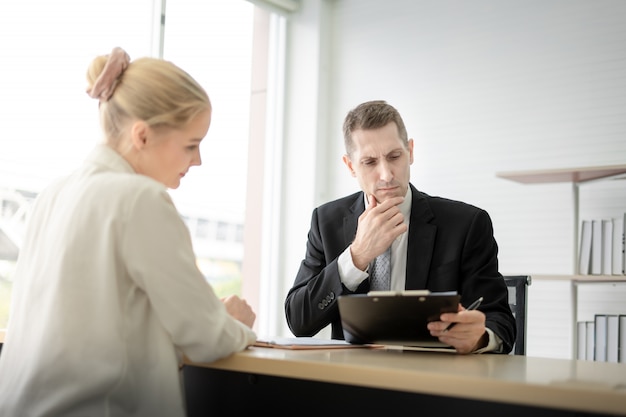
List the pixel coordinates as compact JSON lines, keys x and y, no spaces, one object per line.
{"x":320,"y":306}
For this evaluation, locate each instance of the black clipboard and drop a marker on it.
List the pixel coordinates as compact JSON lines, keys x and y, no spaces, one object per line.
{"x":394,"y":318}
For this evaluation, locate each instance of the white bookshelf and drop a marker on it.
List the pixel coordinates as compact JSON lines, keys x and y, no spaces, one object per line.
{"x":576,"y":177}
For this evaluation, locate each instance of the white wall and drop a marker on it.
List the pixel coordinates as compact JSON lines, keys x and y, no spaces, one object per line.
{"x":484,"y":86}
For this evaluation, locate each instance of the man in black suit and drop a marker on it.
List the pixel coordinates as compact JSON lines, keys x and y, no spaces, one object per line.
{"x":436,"y":243}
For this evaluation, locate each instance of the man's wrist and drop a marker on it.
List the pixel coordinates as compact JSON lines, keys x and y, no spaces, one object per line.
{"x":483,"y":342}
{"x":349,"y":274}
{"x":494,"y":343}
{"x":357,"y":262}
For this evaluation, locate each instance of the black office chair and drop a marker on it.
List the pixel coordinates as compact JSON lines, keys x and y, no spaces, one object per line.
{"x":518,"y":294}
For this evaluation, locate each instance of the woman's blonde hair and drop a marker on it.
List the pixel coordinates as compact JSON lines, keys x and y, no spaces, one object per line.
{"x":149,"y":89}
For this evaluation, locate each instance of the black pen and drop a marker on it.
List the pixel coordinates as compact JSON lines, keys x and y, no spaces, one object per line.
{"x":472,"y":306}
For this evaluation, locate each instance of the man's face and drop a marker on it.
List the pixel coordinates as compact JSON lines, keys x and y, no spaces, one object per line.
{"x":380,"y":162}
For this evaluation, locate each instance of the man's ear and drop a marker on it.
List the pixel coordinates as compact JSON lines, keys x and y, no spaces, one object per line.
{"x":139,"y":134}
{"x":348,"y":162}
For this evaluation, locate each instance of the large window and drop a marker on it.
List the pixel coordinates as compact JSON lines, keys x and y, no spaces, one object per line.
{"x":49,"y":124}
{"x":212,"y":40}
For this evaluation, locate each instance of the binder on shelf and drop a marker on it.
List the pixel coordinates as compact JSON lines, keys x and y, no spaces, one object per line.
{"x":624,"y":245}
{"x":607,"y":246}
{"x":596,"y":247}
{"x":584,"y":255}
{"x":600,"y":337}
{"x":589,"y":349}
{"x":612,"y":338}
{"x":622,"y":339}
{"x":618,"y":246}
{"x":581,"y":333}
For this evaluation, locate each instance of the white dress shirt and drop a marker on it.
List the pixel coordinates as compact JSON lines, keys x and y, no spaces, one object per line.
{"x":107,"y":299}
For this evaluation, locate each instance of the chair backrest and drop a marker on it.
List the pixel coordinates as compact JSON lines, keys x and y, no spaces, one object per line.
{"x":518,"y":294}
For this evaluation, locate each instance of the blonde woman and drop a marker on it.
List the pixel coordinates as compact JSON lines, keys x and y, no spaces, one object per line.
{"x":107,"y":297}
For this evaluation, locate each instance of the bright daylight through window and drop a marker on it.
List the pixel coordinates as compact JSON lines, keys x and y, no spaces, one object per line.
{"x":49,"y":124}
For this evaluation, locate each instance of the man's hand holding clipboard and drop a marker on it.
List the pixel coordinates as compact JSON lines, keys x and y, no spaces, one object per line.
{"x":464,"y":330}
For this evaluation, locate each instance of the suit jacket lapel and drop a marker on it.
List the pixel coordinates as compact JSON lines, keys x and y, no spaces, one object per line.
{"x":350,"y":222}
{"x":421,"y":241}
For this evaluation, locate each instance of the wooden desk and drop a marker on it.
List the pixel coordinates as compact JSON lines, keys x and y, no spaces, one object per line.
{"x":368,"y":381}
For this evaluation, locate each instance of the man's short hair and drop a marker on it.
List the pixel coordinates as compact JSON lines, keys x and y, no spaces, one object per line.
{"x":372,"y":115}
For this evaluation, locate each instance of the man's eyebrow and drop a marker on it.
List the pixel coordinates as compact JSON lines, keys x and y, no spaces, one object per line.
{"x":363,"y":158}
{"x":387,"y":154}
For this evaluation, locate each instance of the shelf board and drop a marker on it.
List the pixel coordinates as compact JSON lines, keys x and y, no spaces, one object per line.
{"x":575,"y":175}
{"x":580,"y":278}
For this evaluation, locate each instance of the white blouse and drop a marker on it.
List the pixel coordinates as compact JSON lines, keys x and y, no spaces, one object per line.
{"x":107,"y":298}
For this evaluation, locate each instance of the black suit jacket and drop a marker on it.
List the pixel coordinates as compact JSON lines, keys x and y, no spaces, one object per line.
{"x":451,"y":247}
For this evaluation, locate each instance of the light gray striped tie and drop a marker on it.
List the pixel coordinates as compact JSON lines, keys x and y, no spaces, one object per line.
{"x":380,"y":279}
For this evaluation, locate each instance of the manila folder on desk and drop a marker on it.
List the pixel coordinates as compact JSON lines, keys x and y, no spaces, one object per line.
{"x":394,"y":318}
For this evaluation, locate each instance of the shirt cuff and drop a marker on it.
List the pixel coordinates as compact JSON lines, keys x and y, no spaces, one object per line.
{"x":494,"y":345}
{"x":350,"y":275}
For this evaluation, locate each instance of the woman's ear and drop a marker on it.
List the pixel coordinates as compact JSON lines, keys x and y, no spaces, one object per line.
{"x":139,"y":134}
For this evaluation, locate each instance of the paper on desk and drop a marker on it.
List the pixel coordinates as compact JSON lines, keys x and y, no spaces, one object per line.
{"x":446,"y":349}
{"x":306,"y":343}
